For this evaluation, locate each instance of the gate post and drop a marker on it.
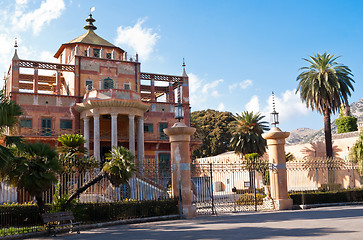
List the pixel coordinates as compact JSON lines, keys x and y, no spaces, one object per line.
{"x":278,"y":176}
{"x":179,"y":135}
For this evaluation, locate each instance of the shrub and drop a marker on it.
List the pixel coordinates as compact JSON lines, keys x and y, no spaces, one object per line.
{"x":249,"y":199}
{"x":350,"y":195}
{"x":346,"y":124}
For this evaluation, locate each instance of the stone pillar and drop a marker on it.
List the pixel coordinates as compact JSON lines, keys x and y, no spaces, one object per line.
{"x":132,"y":134}
{"x":58,"y":82}
{"x":96,"y":138}
{"x":179,"y":136}
{"x":35,"y":81}
{"x":278,"y":176}
{"x":152,"y":90}
{"x":140,"y":140}
{"x":114,"y":129}
{"x":86,"y":133}
{"x":171,"y":93}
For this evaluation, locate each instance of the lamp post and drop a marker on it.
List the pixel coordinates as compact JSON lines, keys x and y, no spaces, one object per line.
{"x":179,"y":111}
{"x":274,"y":114}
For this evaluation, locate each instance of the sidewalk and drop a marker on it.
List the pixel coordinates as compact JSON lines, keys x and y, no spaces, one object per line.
{"x":343,"y":222}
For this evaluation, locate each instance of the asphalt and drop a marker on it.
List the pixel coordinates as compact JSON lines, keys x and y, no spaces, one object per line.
{"x":342,"y":222}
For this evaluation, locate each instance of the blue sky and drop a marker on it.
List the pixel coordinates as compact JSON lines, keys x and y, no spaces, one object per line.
{"x":236,"y":52}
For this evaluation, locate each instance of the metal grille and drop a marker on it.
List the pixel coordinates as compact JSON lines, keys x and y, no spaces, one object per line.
{"x":221,"y":188}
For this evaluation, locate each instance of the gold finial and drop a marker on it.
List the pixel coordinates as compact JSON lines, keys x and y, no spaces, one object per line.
{"x":183,"y":63}
{"x":16,"y":42}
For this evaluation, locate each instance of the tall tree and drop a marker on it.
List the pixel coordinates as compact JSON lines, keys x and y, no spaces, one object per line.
{"x":247,"y":130}
{"x":212,"y":129}
{"x":324,"y":85}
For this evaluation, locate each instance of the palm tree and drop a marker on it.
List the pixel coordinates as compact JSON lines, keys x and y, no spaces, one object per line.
{"x":247,"y":130}
{"x":324,"y":85}
{"x":72,"y":153}
{"x":119,"y":168}
{"x":246,"y":133}
{"x":34,"y":169}
{"x":9,"y":117}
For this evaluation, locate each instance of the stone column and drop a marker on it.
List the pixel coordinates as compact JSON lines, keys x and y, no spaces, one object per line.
{"x":58,"y":82}
{"x":278,"y":176}
{"x":114,"y":129}
{"x":140,"y":140}
{"x":132,"y":134}
{"x":86,"y":133}
{"x":96,"y":138}
{"x":179,"y":136}
{"x":35,"y":83}
{"x":152,"y":89}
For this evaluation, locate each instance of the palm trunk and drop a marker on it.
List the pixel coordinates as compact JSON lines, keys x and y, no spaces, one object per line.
{"x":88,"y":184}
{"x":328,"y":144}
{"x":327,"y":132}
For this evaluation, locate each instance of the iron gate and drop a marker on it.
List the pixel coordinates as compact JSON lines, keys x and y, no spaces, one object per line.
{"x":236,"y":187}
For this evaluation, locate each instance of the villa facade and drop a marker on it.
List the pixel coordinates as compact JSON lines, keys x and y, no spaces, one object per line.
{"x":98,"y":90}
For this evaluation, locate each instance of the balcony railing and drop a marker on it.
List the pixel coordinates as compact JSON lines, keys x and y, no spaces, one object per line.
{"x":111,"y":93}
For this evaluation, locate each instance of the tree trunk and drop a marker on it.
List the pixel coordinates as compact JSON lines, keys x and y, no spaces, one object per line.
{"x":88,"y":184}
{"x":40,"y":202}
{"x":328,"y":146}
{"x":327,"y":132}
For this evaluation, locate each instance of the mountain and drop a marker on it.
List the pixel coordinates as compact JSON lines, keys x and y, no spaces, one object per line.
{"x":305,"y":135}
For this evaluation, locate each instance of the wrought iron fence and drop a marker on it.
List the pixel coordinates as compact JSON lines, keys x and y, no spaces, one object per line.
{"x":233,"y":187}
{"x":148,"y":183}
{"x":322,"y":173}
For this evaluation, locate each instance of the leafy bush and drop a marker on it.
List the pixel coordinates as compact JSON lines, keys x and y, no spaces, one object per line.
{"x":351,"y":195}
{"x":346,"y":124}
{"x":243,"y":191}
{"x":249,"y":199}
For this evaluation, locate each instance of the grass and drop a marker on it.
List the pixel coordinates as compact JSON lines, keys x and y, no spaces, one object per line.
{"x":20,"y":230}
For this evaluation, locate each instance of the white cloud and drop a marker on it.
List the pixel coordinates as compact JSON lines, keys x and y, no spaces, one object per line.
{"x":253,"y":104}
{"x":245,"y":84}
{"x":288,"y":105}
{"x":36,"y":19}
{"x":202,"y":91}
{"x":221,"y":107}
{"x":242,"y":85}
{"x":141,"y":40}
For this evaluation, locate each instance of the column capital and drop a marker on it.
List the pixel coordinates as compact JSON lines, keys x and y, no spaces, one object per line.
{"x":96,"y":115}
{"x":114,"y":114}
{"x":131,"y":116}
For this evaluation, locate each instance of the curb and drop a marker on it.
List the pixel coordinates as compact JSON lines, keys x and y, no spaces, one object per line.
{"x":309,"y":206}
{"x":96,"y":225}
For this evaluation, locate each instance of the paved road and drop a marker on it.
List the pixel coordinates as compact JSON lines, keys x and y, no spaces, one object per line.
{"x":323,"y":223}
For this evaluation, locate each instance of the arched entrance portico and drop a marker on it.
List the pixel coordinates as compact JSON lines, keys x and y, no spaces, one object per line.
{"x":118,"y":104}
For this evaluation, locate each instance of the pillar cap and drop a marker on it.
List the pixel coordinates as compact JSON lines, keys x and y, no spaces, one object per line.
{"x":179,"y":128}
{"x":275,"y":133}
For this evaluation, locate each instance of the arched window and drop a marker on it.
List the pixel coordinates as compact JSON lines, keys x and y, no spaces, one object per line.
{"x":108,"y":83}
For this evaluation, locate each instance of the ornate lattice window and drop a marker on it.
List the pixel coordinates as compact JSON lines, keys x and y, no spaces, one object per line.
{"x":108,"y":55}
{"x":96,"y":52}
{"x":108,"y":83}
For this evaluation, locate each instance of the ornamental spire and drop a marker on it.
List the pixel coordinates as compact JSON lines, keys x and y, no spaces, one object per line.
{"x":90,"y":21}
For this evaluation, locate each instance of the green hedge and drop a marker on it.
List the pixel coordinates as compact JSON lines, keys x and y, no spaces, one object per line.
{"x":21,"y":216}
{"x":101,"y":212}
{"x":350,"y":195}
